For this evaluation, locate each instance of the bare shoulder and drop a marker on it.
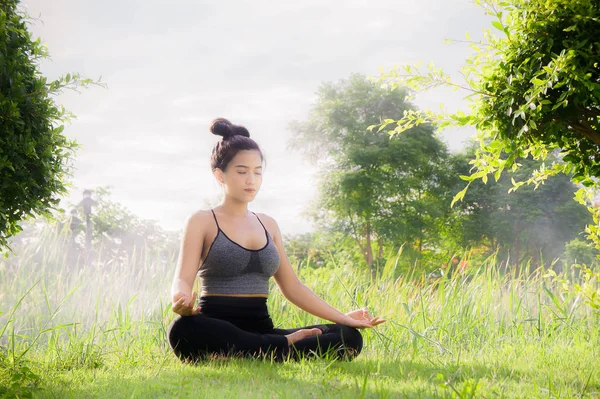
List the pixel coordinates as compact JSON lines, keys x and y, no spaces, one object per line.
{"x":198,"y":220}
{"x":270,"y":224}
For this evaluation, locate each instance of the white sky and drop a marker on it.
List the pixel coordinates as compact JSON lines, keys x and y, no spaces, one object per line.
{"x":173,"y":66}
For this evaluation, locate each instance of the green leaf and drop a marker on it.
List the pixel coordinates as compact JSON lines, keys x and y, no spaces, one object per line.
{"x":498,"y":25}
{"x":460,"y":195}
{"x":498,"y":174}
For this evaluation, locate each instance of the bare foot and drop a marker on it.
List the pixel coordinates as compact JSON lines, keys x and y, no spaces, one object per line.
{"x":301,"y":334}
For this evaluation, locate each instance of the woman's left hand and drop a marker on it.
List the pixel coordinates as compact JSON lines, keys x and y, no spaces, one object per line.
{"x":364,"y":316}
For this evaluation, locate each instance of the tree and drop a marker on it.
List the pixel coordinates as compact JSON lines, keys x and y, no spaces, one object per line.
{"x":524,"y":224}
{"x":118,"y":230}
{"x":533,"y":90}
{"x":375,"y":188}
{"x":35,"y":155}
{"x":580,"y":252}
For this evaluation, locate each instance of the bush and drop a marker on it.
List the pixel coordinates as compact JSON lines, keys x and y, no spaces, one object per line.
{"x":35,"y":155}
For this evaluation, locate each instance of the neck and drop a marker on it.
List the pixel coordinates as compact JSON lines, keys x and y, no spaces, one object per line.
{"x":233,"y":207}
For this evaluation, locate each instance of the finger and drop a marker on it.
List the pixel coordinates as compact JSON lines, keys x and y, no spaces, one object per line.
{"x":181,"y":303}
{"x":178,"y":300}
{"x":178,"y":303}
{"x":178,"y":296}
{"x":364,"y":325}
{"x":176,"y":308}
{"x":196,"y":311}
{"x":194,"y":297}
{"x":188,"y":301}
{"x":187,"y":308}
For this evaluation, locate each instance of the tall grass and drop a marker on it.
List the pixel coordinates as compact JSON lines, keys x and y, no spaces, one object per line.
{"x":62,"y":315}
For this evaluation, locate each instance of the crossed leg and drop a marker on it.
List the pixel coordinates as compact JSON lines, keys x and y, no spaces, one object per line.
{"x":197,"y":337}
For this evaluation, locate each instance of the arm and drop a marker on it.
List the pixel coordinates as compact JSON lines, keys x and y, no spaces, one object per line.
{"x":302,"y":296}
{"x":187,"y":266}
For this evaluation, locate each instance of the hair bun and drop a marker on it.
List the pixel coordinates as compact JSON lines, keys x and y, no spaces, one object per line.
{"x":222,"y":127}
{"x":239,"y":131}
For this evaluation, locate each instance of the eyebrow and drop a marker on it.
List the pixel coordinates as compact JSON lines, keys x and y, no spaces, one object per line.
{"x":247,"y":167}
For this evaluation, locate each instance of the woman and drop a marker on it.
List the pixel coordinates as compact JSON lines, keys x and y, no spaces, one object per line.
{"x":238,"y":251}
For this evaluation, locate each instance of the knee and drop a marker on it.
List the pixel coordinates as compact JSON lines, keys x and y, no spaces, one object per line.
{"x":352,"y":339}
{"x":178,"y":334}
{"x":177,"y":330}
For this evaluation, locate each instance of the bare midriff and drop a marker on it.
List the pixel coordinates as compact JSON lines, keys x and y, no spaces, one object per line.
{"x":236,"y":295}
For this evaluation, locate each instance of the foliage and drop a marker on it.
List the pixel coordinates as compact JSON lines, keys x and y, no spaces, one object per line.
{"x":111,"y":219}
{"x":374,"y":188}
{"x":580,"y":252}
{"x":533,"y":90}
{"x":478,"y":332}
{"x":35,"y":155}
{"x":116,"y":232}
{"x":318,"y":249}
{"x":587,"y":285}
{"x":119,"y":233}
{"x":526,"y":224}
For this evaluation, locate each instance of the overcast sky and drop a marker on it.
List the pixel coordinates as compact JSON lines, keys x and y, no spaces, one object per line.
{"x":172,"y":66}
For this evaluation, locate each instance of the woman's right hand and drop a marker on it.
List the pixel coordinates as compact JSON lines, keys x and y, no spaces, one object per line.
{"x":184,"y":305}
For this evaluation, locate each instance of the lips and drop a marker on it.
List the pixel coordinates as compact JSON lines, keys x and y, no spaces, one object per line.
{"x":249,"y":190}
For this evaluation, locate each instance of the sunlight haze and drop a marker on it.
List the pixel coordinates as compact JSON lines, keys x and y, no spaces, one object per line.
{"x":173,"y":66}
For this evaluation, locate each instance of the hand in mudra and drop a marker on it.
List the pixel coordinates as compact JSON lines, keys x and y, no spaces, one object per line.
{"x":184,"y":305}
{"x":361,"y":318}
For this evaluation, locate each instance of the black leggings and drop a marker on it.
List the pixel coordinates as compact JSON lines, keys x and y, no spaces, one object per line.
{"x":241,"y":326}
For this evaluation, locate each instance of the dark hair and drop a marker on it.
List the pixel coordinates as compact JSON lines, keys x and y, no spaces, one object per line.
{"x":235,"y":138}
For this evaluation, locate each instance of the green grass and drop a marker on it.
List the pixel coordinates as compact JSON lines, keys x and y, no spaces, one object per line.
{"x":98,"y":331}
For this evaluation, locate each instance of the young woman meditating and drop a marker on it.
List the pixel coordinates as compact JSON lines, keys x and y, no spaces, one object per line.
{"x":235,"y":252}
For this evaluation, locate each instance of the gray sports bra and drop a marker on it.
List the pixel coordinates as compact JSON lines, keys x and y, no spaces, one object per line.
{"x":230,"y":268}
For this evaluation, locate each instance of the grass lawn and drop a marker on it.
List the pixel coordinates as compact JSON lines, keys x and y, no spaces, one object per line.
{"x":511,"y":369}
{"x":485,"y":334}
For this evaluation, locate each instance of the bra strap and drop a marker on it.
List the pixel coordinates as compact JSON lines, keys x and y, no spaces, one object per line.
{"x":215,"y":216}
{"x":261,"y":222}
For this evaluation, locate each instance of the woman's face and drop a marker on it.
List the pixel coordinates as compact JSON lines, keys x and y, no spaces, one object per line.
{"x":243,"y":176}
